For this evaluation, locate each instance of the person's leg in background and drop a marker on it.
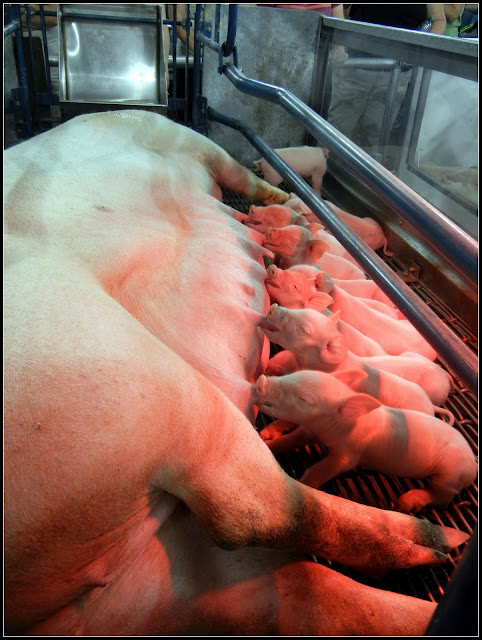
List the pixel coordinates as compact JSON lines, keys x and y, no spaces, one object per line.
{"x":349,"y":98}
{"x":370,"y":126}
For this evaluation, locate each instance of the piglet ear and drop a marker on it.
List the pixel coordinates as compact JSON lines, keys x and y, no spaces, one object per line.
{"x":355,"y":406}
{"x":353,"y":378}
{"x":323,"y":282}
{"x":316,"y":248}
{"x":320,"y":301}
{"x":334,"y":351}
{"x":320,"y":282}
{"x":313,"y":227}
{"x":299,"y":220}
{"x":335,"y":317}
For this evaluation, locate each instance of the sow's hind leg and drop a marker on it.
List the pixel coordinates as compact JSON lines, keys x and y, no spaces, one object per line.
{"x":259,"y":591}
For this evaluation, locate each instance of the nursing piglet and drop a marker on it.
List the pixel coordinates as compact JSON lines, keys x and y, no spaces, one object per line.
{"x":367,"y":228}
{"x":298,"y":331}
{"x":395,"y":335}
{"x":296,"y":245}
{"x":330,"y":349}
{"x":358,"y":431}
{"x":285,"y":288}
{"x":336,"y":248}
{"x":300,"y":286}
{"x":365,"y":289}
{"x":308,"y":162}
{"x":345,"y":290}
{"x":260,"y":218}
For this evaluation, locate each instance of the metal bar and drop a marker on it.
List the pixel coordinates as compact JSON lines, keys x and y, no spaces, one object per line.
{"x":186,"y":64}
{"x":174,"y":54}
{"x":439,"y":232}
{"x":182,"y":60}
{"x":105,"y":18}
{"x":11,"y":28}
{"x":454,"y":56}
{"x":32,"y":67}
{"x":418,"y":116}
{"x":209,"y":43}
{"x":448,"y":346}
{"x":370,"y":64}
{"x":217,"y":22}
{"x":23,"y":77}
{"x":228,"y":46}
{"x":388,"y":115}
{"x":46,"y":51}
{"x":36,"y":12}
{"x":318,"y":93}
{"x":196,"y":116}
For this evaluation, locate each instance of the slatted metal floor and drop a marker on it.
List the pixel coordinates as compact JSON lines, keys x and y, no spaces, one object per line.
{"x":382,"y":491}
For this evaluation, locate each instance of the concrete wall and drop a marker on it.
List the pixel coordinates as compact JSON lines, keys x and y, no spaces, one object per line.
{"x":277,"y":46}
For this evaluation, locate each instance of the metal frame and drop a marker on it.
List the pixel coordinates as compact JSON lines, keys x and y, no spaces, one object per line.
{"x":415,"y":132}
{"x":28,"y":99}
{"x":25,"y":101}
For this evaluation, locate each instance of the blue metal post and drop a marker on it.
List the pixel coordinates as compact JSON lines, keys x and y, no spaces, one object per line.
{"x":22,"y":103}
{"x":228,"y":46}
{"x":46,"y":52}
{"x":174,"y":56}
{"x":196,"y":106}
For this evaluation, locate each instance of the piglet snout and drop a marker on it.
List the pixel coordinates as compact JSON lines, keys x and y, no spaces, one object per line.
{"x":272,"y":310}
{"x":269,"y":321}
{"x":261,"y":385}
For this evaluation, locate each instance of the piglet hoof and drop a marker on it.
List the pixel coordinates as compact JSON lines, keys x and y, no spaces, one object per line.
{"x":267,"y":434}
{"x":413,"y":501}
{"x":276,"y":429}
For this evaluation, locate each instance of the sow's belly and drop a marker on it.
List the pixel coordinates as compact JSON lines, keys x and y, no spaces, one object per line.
{"x":169,"y":254}
{"x":207,"y":305}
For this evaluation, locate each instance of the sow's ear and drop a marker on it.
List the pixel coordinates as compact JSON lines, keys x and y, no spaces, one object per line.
{"x":356,"y":406}
{"x":316,"y":248}
{"x":353,"y":378}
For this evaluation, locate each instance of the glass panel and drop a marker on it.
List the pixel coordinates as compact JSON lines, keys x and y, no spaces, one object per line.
{"x":445,"y":151}
{"x":421,"y":124}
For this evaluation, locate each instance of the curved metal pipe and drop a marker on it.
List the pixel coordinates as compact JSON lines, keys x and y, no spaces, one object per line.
{"x":444,"y":236}
{"x":228,"y":46}
{"x":450,"y":349}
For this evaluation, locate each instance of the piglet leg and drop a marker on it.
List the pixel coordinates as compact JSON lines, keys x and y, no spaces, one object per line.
{"x":281,"y":364}
{"x":296,"y":439}
{"x":415,"y":500}
{"x":326,"y":469}
{"x":316,"y":180}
